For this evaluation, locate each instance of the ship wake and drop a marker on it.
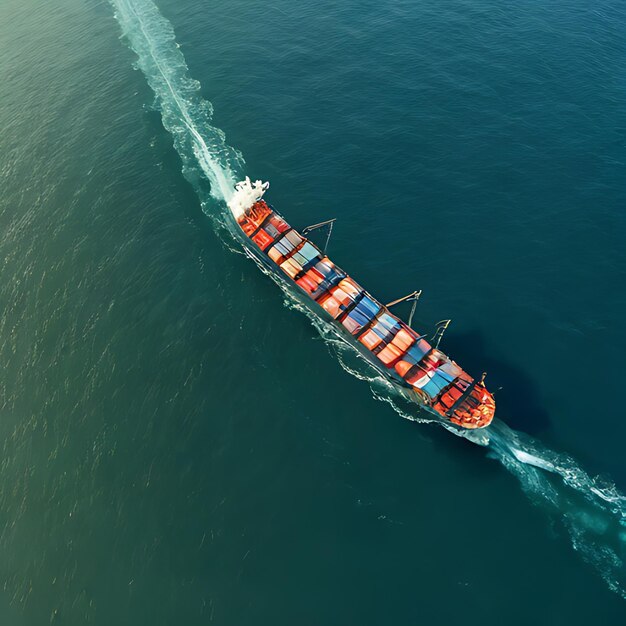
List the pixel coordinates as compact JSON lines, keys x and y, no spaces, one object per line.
{"x":592,"y":510}
{"x":185,"y":114}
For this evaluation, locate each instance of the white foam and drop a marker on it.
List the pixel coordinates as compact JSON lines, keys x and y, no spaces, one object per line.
{"x":246,"y":194}
{"x":531,"y":459}
{"x":184,"y":112}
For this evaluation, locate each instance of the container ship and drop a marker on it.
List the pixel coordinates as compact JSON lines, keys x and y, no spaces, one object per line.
{"x":419,"y":370}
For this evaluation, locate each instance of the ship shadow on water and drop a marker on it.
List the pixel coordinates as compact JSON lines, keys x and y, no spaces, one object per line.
{"x":517,"y":402}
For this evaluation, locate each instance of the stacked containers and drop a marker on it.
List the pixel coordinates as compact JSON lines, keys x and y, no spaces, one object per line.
{"x":299,"y":259}
{"x":271,"y":230}
{"x":340,"y":297}
{"x":381,"y":332}
{"x":254,"y":217}
{"x":395,"y":344}
{"x":320,"y":278}
{"x":407,"y":366}
{"x":284,"y":246}
{"x":364,"y":312}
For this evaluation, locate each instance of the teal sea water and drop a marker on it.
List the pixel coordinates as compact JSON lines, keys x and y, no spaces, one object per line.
{"x":180,"y":443}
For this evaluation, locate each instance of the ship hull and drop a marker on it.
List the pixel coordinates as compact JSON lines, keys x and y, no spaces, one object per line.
{"x":398,"y":383}
{"x":417,"y":371}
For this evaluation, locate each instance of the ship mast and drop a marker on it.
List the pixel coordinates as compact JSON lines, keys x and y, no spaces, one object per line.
{"x":441,"y":329}
{"x":414,"y":296}
{"x":329,"y":223}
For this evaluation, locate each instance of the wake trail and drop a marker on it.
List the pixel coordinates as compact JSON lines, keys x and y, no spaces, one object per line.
{"x":593,"y":511}
{"x":186,"y":115}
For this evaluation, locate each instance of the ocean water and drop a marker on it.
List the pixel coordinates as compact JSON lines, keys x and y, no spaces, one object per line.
{"x":180,"y":443}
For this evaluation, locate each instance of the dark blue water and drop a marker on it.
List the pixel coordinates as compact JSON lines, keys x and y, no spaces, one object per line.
{"x":180,"y":443}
